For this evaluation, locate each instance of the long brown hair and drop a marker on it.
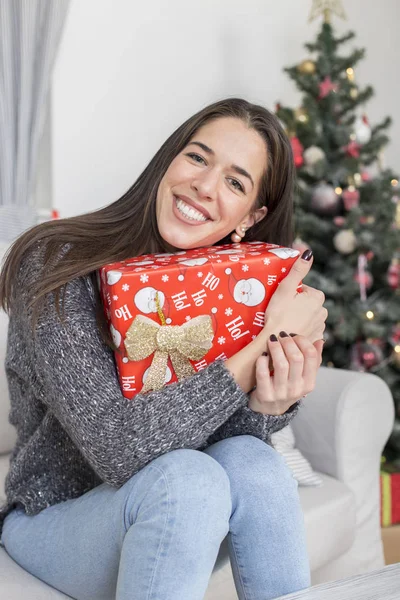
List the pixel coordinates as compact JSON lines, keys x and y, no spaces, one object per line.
{"x":128,"y":226}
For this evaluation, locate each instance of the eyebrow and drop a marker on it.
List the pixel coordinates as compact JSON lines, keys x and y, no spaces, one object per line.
{"x":236,"y":168}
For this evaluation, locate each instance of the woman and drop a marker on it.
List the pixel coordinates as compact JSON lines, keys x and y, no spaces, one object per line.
{"x":110,"y":498}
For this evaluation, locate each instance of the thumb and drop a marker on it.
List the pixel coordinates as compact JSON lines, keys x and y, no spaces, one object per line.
{"x":299,"y":269}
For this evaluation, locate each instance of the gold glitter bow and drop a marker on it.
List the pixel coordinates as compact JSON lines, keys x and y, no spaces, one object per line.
{"x":192,"y":340}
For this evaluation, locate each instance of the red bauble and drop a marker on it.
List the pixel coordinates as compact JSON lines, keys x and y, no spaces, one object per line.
{"x":297,"y":151}
{"x":393,"y":274}
{"x":351,"y":198}
{"x":339,"y":221}
{"x":352,"y":149}
{"x":370,"y":354}
{"x":364,"y":278}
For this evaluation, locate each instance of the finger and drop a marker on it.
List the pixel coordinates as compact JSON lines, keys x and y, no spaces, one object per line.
{"x":281,"y":368}
{"x":319,"y":345}
{"x":311,"y":362}
{"x":263,"y":379}
{"x":297,"y":273}
{"x":296,"y":363}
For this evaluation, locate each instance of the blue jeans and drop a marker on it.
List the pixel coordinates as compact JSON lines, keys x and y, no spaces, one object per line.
{"x":157,"y":537}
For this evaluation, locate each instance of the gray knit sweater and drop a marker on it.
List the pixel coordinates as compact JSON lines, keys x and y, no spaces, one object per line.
{"x":75,"y":429}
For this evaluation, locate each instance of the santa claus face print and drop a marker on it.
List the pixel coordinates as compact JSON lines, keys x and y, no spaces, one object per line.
{"x":210,"y":187}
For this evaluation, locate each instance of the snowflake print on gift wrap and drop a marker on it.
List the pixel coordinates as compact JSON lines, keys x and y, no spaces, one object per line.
{"x":283,"y":270}
{"x":144,"y":278}
{"x":199,"y":274}
{"x":165,"y":277}
{"x":228,"y":312}
{"x":115,"y":298}
{"x":125,"y":287}
{"x":266,"y":261}
{"x":188,"y":318}
{"x":220,"y":296}
{"x":245,"y":267}
{"x":221,"y":340}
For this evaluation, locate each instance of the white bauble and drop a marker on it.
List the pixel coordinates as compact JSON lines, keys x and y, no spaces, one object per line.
{"x":362,"y":131}
{"x":345,"y":241}
{"x":324,"y":200}
{"x":312,"y":155}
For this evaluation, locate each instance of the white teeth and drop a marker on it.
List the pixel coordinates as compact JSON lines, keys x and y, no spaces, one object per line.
{"x":188,"y":211}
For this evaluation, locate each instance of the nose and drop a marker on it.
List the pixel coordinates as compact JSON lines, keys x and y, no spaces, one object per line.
{"x":206,"y":185}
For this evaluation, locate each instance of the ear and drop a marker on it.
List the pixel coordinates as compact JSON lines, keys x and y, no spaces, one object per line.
{"x":255,"y":217}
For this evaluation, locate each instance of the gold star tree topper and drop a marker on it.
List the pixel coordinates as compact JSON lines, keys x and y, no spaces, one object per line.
{"x":325,"y":8}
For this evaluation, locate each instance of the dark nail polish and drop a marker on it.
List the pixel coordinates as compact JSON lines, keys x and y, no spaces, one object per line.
{"x":307,"y":254}
{"x":283,"y":334}
{"x":292,"y":334}
{"x":264,"y":354}
{"x":273,"y":338}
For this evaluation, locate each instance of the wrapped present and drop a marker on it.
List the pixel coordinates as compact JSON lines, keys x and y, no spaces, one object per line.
{"x":171,"y":315}
{"x":390,"y":497}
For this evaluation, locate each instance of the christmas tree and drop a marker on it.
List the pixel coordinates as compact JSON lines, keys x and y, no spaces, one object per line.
{"x":347,"y":209}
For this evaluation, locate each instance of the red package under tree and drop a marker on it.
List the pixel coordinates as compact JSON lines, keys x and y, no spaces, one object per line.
{"x":171,"y":315}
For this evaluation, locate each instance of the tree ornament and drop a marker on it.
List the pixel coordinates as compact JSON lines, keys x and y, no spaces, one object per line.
{"x":363,"y":277}
{"x":325,"y":8}
{"x":370,"y":353}
{"x":365,"y":176}
{"x":351,"y":197}
{"x":396,"y":357}
{"x":362,"y":130}
{"x":393,"y":274}
{"x":312,"y":155}
{"x":395,"y":335}
{"x":306,"y":67}
{"x":352,"y":149}
{"x":324,"y":200}
{"x":355,"y":359}
{"x":339,"y":221}
{"x":345,"y":241}
{"x":301,"y":115}
{"x":297,"y":149}
{"x":326,"y":87}
{"x":353,"y":93}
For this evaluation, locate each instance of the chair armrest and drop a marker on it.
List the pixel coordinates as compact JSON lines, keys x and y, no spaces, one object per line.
{"x":343,"y":425}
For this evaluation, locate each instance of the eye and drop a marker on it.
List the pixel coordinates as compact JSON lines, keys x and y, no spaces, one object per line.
{"x":192,"y":154}
{"x":239,"y":184}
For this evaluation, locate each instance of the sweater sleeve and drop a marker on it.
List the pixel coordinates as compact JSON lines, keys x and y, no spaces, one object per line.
{"x":245,"y":421}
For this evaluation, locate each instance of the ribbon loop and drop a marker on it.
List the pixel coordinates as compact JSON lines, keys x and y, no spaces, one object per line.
{"x":192,"y":340}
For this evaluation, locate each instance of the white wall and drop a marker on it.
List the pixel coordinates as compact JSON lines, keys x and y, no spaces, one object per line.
{"x":129,"y":73}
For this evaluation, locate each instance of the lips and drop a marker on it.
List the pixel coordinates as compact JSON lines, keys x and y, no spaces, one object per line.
{"x":196,"y":206}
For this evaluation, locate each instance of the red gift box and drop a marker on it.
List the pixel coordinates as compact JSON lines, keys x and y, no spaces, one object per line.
{"x":390,"y":498}
{"x":179,"y":312}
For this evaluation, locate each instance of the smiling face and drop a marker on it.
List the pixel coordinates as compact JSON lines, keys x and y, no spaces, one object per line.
{"x":210,"y":187}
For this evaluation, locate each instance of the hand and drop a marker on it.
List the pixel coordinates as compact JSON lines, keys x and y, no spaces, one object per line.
{"x":296,"y":362}
{"x":301,"y":312}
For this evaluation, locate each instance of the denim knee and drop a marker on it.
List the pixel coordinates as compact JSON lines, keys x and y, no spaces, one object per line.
{"x":251,"y":461}
{"x":192,"y":477}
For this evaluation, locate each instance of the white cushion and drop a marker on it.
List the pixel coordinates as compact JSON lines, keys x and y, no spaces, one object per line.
{"x":284,"y":443}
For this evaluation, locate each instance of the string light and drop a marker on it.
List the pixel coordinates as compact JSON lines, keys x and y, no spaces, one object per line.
{"x":370,"y":315}
{"x":397,"y":349}
{"x":394,"y":182}
{"x":338,"y":190}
